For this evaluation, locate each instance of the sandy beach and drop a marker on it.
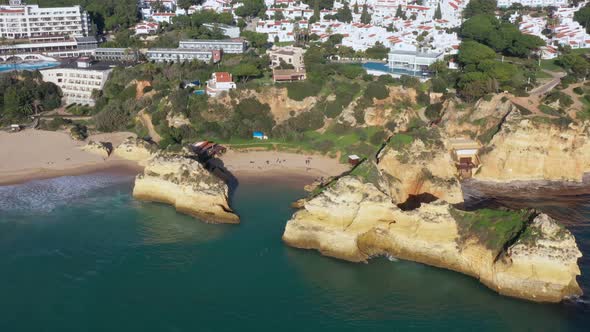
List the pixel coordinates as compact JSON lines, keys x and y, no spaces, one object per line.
{"x":37,"y":154}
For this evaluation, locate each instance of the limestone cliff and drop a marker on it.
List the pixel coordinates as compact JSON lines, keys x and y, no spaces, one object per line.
{"x":188,"y":186}
{"x":355,"y":221}
{"x":417,"y":168}
{"x":526,"y":149}
{"x":136,"y":149}
{"x":102,"y":149}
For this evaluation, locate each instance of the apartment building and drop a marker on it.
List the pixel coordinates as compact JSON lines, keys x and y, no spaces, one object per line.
{"x":60,"y":46}
{"x":78,"y":80}
{"x":30,"y":21}
{"x":533,"y":3}
{"x":182,"y":55}
{"x":116,"y":54}
{"x":230,"y":46}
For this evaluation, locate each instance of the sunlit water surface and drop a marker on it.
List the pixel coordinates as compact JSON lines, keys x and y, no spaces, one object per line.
{"x":79,"y":254}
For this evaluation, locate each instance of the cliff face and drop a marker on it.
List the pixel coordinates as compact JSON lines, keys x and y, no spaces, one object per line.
{"x":527,"y":150}
{"x":355,"y":221}
{"x":418,"y":169}
{"x":136,"y":149}
{"x":188,"y":186}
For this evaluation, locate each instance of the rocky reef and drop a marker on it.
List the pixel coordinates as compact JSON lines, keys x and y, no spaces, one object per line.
{"x":184,"y":183}
{"x":515,"y":253}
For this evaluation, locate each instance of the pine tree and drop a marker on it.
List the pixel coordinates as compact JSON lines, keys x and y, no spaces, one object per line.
{"x":356,"y":8}
{"x":316,"y":12}
{"x":437,"y":12}
{"x":344,"y":14}
{"x":365,"y":16}
{"x":399,"y":12}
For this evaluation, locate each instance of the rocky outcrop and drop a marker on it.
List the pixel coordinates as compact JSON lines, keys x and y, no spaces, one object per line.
{"x":355,"y":221}
{"x":528,"y":150}
{"x":136,"y":149}
{"x":418,"y":168}
{"x":188,"y":186}
{"x":102,"y":149}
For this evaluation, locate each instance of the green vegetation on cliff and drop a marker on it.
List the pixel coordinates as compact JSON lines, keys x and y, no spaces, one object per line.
{"x":491,"y":227}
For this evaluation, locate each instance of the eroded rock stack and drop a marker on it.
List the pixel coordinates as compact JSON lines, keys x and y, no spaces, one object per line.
{"x":355,"y":221}
{"x":184,"y":183}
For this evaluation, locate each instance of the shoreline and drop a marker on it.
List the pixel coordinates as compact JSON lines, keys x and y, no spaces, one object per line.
{"x":38,"y":155}
{"x":111,"y":166}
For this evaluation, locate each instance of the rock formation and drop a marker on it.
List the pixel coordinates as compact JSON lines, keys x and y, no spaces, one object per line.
{"x":136,"y":149}
{"x":188,"y":186}
{"x":355,"y":221}
{"x":102,"y":149}
{"x":529,"y":150}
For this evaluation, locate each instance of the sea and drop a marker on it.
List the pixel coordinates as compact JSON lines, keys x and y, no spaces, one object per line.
{"x":80,"y":254}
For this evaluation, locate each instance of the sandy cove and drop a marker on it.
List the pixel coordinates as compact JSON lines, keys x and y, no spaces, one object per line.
{"x":37,"y":154}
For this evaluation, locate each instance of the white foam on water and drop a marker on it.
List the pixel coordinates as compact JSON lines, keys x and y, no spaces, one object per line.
{"x":46,"y":195}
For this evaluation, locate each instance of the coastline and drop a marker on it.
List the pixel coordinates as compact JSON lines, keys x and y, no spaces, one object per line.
{"x":37,"y":155}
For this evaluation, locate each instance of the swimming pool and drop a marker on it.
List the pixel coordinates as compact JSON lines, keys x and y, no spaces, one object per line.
{"x":383,"y":68}
{"x":27,"y":65}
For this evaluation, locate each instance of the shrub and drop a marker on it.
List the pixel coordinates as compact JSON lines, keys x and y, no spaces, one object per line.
{"x":433,"y":111}
{"x":423,"y":98}
{"x":410,"y":81}
{"x":378,"y":138}
{"x":376,"y":90}
{"x":57,"y":122}
{"x":391,"y":125}
{"x":301,"y":90}
{"x":578,"y":90}
{"x":439,"y":85}
{"x":325,"y":145}
{"x":112,"y":118}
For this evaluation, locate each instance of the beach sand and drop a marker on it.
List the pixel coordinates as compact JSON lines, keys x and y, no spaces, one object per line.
{"x":281,"y":164}
{"x":37,"y":154}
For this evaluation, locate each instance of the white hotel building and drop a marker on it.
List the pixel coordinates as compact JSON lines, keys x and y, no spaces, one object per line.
{"x":78,"y":81}
{"x":533,"y":3}
{"x":29,"y":21}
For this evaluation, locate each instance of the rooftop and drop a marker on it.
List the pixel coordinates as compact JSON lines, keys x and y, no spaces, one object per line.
{"x":416,"y":53}
{"x":223,"y":77}
{"x":462,"y":143}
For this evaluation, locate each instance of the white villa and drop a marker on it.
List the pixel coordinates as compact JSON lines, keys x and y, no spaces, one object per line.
{"x":220,"y":82}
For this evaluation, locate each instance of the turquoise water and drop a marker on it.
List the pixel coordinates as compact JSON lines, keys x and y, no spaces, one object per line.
{"x":382,"y":67}
{"x":79,"y":254}
{"x":28,"y":66}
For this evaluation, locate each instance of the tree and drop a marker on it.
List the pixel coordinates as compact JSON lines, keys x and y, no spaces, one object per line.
{"x":582,"y":16}
{"x":245,"y":70}
{"x":356,"y":8}
{"x":378,"y":51}
{"x":399,"y":12}
{"x":316,"y":12}
{"x":256,"y":39}
{"x":472,"y":52}
{"x":365,"y":16}
{"x":344,"y":14}
{"x":185,"y":4}
{"x":438,"y":12}
{"x":251,"y":8}
{"x":279,"y":15}
{"x":478,"y":7}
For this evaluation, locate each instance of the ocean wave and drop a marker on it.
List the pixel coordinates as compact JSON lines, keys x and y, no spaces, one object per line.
{"x":46,"y":195}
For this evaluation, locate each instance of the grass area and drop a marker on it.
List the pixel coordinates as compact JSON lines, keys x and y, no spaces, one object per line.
{"x":367,"y":171}
{"x":400,"y":140}
{"x":492,"y":228}
{"x":549,"y":110}
{"x":541,"y":75}
{"x":550,"y":65}
{"x":353,"y":141}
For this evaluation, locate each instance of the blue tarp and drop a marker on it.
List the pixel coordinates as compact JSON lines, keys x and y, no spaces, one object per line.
{"x":199,"y":92}
{"x":258,"y":134}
